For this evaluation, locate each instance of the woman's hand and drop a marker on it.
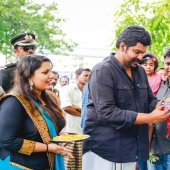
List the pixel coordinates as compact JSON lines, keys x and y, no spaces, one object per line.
{"x":54,"y":148}
{"x":63,"y":133}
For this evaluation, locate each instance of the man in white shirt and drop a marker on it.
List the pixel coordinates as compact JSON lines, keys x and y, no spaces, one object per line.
{"x":71,"y":102}
{"x":64,"y":80}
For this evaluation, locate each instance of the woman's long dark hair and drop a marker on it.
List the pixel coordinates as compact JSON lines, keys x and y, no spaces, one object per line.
{"x":26,"y":67}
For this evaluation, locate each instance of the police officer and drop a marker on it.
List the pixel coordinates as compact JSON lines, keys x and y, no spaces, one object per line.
{"x":23,"y":44}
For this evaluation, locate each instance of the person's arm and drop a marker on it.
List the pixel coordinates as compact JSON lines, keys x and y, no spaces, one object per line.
{"x":66,"y":102}
{"x":102,"y":92}
{"x":11,"y":120}
{"x":53,"y":148}
{"x":157,"y":113}
{"x":153,"y":102}
{"x":72,"y":110}
{"x":12,"y":115}
{"x":156,"y":116}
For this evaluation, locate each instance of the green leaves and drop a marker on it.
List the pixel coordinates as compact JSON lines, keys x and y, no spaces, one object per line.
{"x":24,"y":15}
{"x":154,"y":16}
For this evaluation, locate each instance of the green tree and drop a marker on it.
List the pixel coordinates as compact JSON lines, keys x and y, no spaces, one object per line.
{"x":17,"y":16}
{"x":153,"y":15}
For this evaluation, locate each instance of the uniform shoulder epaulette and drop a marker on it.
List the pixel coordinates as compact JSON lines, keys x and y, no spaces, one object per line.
{"x":9,"y":65}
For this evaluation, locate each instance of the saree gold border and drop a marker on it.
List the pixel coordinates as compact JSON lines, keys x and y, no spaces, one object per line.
{"x":27,"y":147}
{"x":20,"y":166}
{"x":38,"y":121}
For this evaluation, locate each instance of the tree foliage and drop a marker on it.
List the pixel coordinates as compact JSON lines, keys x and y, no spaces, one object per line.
{"x":18,"y":16}
{"x":153,"y":15}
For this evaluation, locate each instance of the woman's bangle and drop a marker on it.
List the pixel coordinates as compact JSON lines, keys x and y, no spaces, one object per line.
{"x":47,"y":147}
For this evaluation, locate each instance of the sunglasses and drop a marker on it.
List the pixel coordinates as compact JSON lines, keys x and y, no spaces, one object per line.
{"x":26,"y":48}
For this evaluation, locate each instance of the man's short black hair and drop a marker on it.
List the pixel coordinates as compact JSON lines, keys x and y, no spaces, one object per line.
{"x":55,"y":72}
{"x":133,"y":35}
{"x":167,"y":54}
{"x":80,"y":70}
{"x":64,"y":77}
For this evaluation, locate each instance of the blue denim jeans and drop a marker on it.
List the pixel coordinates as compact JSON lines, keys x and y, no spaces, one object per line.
{"x":142,"y":165}
{"x":163,"y":164}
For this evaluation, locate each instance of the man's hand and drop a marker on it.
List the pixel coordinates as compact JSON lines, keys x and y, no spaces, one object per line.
{"x":167,"y":100}
{"x":160,"y":114}
{"x":76,"y":107}
{"x":73,"y":110}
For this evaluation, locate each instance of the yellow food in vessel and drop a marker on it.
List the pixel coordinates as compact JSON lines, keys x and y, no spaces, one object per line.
{"x":69,"y":137}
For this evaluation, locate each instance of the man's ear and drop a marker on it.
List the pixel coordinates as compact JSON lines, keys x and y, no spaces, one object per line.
{"x":122,"y":47}
{"x":77,"y":76}
{"x":15,"y":51}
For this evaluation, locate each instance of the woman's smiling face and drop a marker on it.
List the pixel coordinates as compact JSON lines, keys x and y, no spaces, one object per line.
{"x":42,"y":77}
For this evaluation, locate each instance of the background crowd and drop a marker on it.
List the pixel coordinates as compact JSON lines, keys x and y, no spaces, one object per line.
{"x":122,"y":104}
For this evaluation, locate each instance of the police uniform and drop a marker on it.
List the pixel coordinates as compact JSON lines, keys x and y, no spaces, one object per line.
{"x":7,"y":76}
{"x":7,"y":72}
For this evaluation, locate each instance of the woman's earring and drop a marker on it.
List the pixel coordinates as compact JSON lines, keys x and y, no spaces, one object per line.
{"x":31,"y":84}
